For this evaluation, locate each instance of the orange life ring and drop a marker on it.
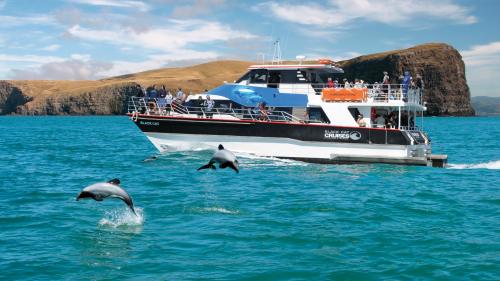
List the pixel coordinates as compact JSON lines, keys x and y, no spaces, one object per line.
{"x":325,"y":61}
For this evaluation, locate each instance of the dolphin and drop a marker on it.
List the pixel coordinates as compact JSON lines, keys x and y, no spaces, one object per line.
{"x":100,"y":191}
{"x":225,"y":158}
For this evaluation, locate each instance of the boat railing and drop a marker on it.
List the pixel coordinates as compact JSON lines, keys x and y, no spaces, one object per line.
{"x":356,"y":93}
{"x":175,"y":108}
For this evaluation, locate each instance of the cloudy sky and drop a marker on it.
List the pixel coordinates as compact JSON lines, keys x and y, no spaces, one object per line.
{"x":91,"y":39}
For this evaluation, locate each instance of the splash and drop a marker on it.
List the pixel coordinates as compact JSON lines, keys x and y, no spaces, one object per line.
{"x":122,"y":217}
{"x":493,"y":165}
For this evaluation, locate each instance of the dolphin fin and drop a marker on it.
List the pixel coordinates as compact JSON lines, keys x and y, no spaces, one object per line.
{"x":221,"y":147}
{"x":114,"y":181}
{"x":209,"y":165}
{"x":230,"y":165}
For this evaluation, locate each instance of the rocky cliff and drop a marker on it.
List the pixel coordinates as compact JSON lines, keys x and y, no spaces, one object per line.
{"x":440,"y":65}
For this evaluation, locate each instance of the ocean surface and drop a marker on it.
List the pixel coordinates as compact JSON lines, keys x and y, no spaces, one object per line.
{"x":275,"y":220}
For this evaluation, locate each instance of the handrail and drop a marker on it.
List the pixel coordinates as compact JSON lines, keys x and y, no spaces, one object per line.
{"x":139,"y":104}
{"x":376,"y":92}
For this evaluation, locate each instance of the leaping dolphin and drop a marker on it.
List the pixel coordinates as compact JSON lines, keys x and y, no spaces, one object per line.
{"x":225,"y":158}
{"x":100,"y":191}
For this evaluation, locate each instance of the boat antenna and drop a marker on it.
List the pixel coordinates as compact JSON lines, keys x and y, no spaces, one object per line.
{"x":277,"y":53}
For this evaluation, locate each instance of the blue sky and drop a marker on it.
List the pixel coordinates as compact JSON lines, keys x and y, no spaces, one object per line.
{"x":92,"y":39}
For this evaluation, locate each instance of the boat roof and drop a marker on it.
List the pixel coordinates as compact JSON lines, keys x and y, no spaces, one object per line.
{"x":324,"y":67}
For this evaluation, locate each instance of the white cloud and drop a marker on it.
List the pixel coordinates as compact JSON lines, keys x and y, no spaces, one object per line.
{"x":67,"y":70}
{"x":340,"y":12}
{"x":34,"y":59}
{"x":12,"y":21}
{"x":196,"y":8}
{"x":51,"y":48}
{"x":139,"y":5}
{"x":482,"y":64}
{"x":181,"y":57}
{"x":176,"y":35}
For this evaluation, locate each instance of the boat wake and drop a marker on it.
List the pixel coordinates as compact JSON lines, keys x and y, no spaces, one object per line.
{"x":493,"y":165}
{"x":247,"y":159}
{"x":182,"y":147}
{"x":122,"y":217}
{"x":219,"y":210}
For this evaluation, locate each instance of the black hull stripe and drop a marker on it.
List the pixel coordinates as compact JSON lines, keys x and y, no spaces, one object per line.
{"x":316,"y":133}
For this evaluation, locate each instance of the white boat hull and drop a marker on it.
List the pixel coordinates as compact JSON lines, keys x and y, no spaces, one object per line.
{"x":323,"y":152}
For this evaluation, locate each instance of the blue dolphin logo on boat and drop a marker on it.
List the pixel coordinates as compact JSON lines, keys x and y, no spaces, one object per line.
{"x":249,"y":96}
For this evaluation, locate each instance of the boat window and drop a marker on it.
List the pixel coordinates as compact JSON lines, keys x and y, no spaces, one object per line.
{"x":258,"y":76}
{"x":354,"y":112}
{"x":274,"y":79}
{"x":317,"y":115}
{"x":289,"y":76}
{"x":302,"y":76}
{"x":244,"y":77}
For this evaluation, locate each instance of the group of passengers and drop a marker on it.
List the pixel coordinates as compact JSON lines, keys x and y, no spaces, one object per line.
{"x":405,"y":80}
{"x":161,"y":99}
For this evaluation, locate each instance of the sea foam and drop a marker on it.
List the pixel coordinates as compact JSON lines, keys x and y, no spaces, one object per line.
{"x":493,"y":165}
{"x":122,"y":217}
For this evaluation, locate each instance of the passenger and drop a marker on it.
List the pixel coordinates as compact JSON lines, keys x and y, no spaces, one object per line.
{"x":336,"y":83}
{"x":263,"y":114}
{"x":407,"y":79}
{"x":380,"y":121}
{"x":357,"y":83}
{"x":154,"y":93}
{"x":180,"y":95}
{"x":361,"y":122}
{"x":140,"y":91}
{"x":330,"y":83}
{"x":209,"y":104}
{"x":391,"y":120}
{"x":162,"y":93}
{"x":347,"y":85}
{"x":199,"y":107}
{"x":385,"y":82}
{"x":168,"y":102}
{"x":419,"y":85}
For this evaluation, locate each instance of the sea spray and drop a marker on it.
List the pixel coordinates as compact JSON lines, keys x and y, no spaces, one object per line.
{"x":122,"y":217}
{"x":492,"y":165}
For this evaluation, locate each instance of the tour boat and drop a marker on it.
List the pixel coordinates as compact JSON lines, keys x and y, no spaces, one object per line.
{"x":302,"y":116}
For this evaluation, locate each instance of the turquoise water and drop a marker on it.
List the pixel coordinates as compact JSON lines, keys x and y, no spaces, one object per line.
{"x":276,"y":220}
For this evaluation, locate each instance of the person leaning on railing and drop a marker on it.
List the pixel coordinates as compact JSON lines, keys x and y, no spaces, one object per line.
{"x":263,"y":114}
{"x":198,"y":104}
{"x":209,"y":104}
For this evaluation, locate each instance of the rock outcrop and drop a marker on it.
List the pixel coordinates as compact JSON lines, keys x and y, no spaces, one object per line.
{"x":11,"y":98}
{"x":101,"y":100}
{"x":441,"y":67}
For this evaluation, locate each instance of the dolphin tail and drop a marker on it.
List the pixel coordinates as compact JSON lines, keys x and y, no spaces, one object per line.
{"x":209,"y":165}
{"x":133,"y":210}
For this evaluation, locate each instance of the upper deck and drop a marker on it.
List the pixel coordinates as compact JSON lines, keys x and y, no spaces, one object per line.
{"x":319,"y":83}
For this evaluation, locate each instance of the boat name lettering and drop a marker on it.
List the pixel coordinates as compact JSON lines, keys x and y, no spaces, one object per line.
{"x":150,"y":123}
{"x":342,"y":135}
